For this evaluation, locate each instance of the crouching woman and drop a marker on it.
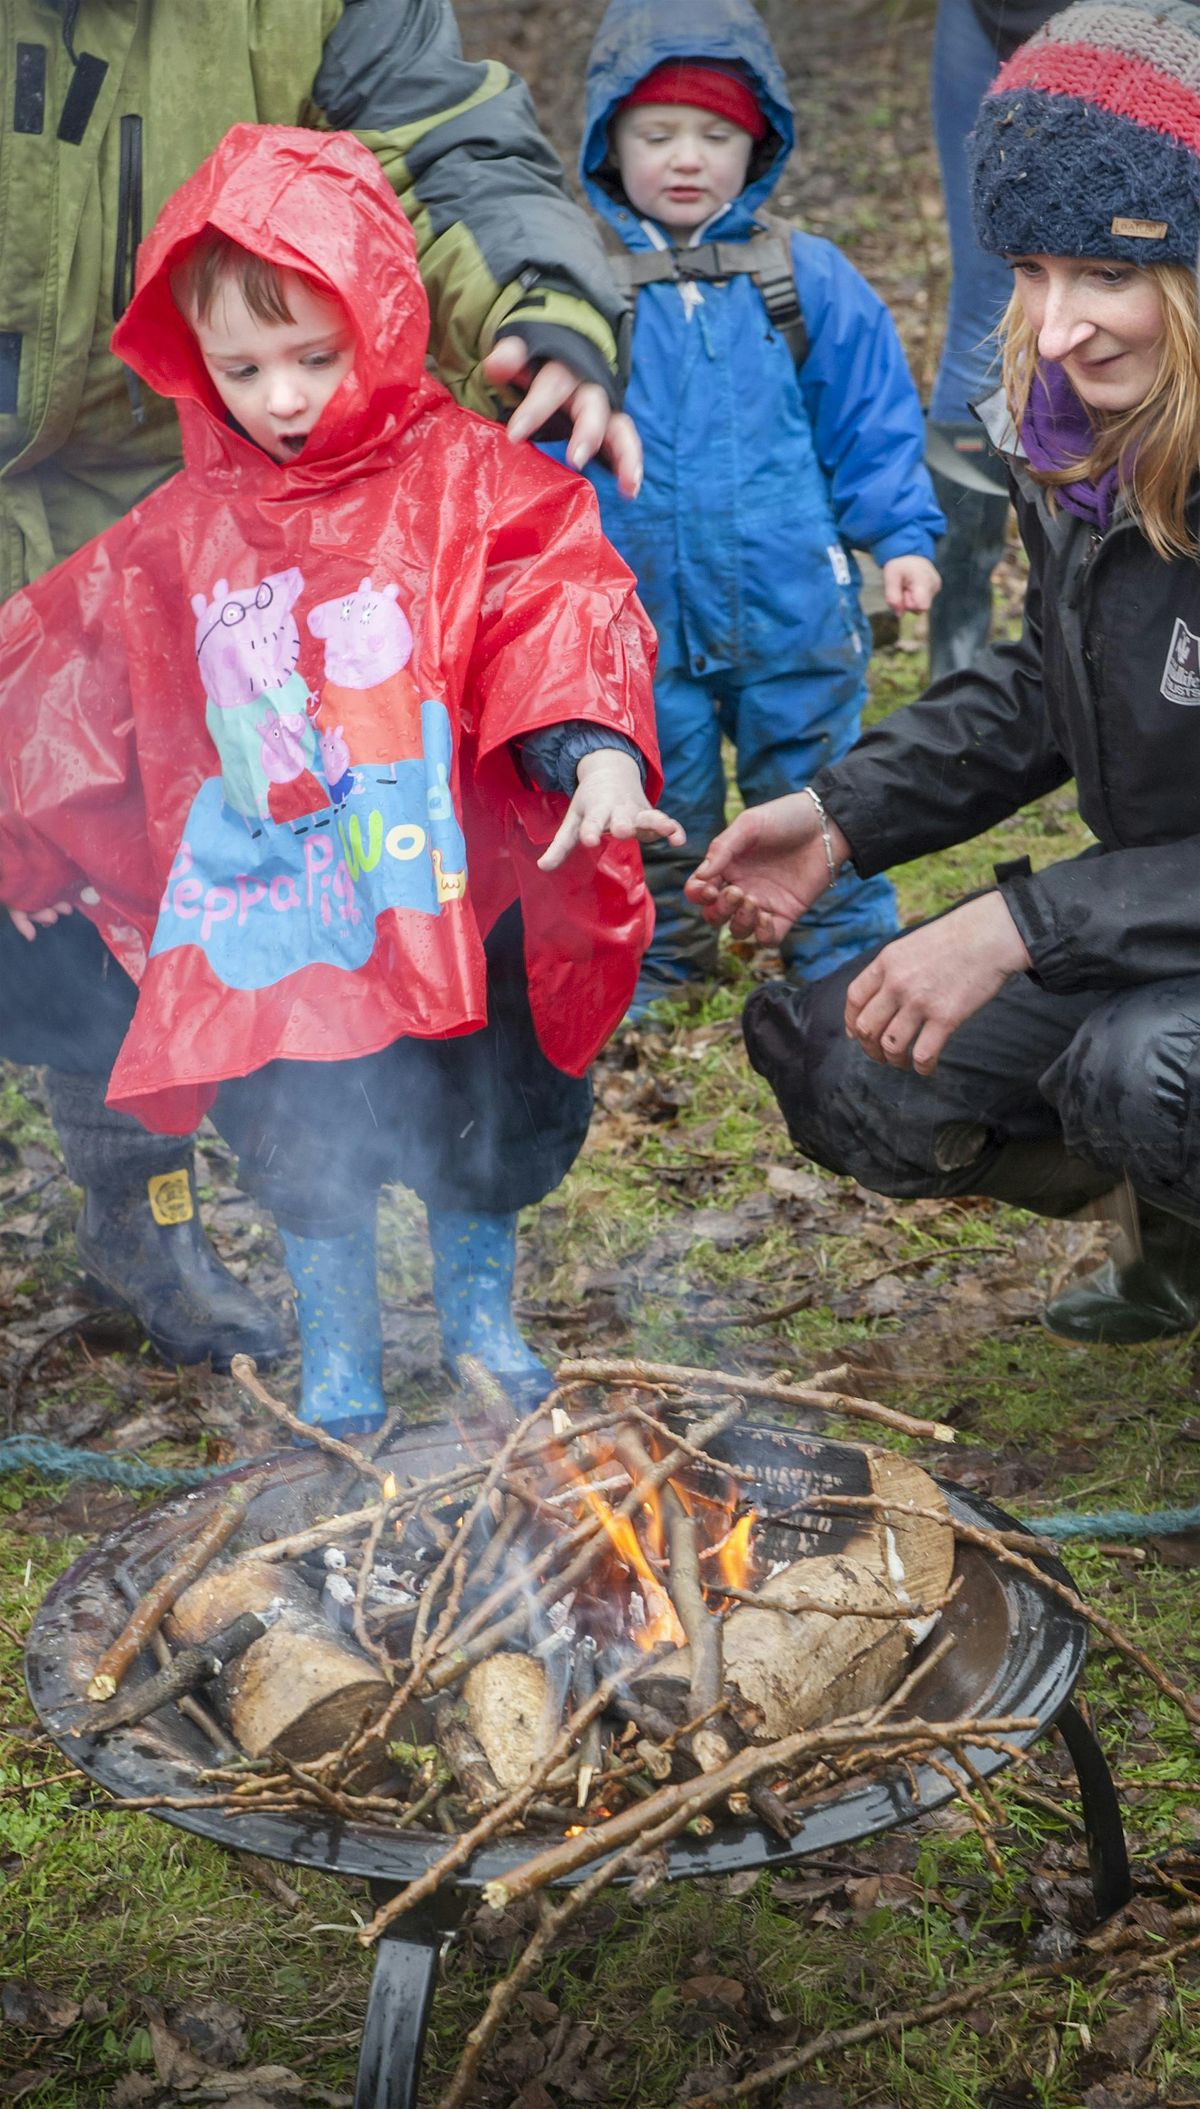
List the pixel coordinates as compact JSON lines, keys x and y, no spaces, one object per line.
{"x":1040,"y":1043}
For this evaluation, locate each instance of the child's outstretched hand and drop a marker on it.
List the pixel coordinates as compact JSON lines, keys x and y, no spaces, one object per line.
{"x":609,"y":800}
{"x":27,"y":924}
{"x":911,"y":584}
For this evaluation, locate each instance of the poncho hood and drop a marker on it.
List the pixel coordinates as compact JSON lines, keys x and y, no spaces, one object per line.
{"x":313,"y":202}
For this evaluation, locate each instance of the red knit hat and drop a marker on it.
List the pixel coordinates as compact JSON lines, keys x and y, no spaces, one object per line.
{"x":708,"y":87}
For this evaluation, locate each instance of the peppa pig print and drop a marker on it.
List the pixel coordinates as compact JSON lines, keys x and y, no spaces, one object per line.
{"x":367,"y":690}
{"x":247,"y":651}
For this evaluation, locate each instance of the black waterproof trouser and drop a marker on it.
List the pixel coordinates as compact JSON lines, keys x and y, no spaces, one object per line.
{"x":1042,"y":1100}
{"x":481,"y":1123}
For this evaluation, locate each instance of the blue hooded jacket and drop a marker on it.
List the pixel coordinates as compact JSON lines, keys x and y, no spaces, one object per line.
{"x":758,"y":481}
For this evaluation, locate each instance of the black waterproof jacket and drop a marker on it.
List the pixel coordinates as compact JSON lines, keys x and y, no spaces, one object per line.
{"x":1102,"y":685}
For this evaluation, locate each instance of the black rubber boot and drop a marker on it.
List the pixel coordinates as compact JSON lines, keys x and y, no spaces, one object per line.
{"x":972,"y":491}
{"x":141,"y":1241}
{"x":1153,"y":1297}
{"x":143,"y":1249}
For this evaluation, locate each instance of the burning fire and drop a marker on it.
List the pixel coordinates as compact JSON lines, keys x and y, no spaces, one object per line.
{"x":641,"y":1551}
{"x":661,"y":1626}
{"x":735,"y":1562}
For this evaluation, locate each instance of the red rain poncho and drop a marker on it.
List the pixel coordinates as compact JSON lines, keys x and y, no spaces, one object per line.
{"x":260,"y":730}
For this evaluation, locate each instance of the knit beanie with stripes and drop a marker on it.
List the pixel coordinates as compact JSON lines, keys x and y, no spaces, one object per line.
{"x":1088,"y":141}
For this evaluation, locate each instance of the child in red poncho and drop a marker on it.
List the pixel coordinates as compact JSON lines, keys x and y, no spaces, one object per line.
{"x":297,"y":735}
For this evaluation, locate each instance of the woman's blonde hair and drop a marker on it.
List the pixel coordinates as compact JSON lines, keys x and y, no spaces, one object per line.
{"x":1154,"y":447}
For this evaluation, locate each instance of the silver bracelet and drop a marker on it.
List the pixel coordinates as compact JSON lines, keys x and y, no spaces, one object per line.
{"x":831,"y":862}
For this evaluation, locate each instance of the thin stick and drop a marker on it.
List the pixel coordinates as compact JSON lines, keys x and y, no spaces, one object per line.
{"x":366,"y":1568}
{"x":800,"y":1606}
{"x":318,"y":1534}
{"x":244,"y":1372}
{"x":1002,"y":1984}
{"x":187,"y":1670}
{"x":468,"y":1842}
{"x":159,"y":1598}
{"x":189,"y":1707}
{"x":656,"y":1373}
{"x":680,"y":1442}
{"x":699,"y":1795}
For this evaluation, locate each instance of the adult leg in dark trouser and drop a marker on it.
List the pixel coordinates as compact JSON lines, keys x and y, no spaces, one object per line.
{"x":1041,"y":1100}
{"x":65,"y":1003}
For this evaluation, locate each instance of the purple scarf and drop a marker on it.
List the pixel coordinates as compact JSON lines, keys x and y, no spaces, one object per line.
{"x":1057,"y":431}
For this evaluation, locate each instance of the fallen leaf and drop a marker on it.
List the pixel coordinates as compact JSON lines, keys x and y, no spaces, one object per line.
{"x":134,"y":2088}
{"x":534,"y":2096}
{"x":721,"y":1991}
{"x":26,"y":2005}
{"x":798,"y":1186}
{"x":212,"y":2030}
{"x":540,"y":2009}
{"x":1128,"y":2037}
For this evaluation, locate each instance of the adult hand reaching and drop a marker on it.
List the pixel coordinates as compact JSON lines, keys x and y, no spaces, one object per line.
{"x":609,"y":800}
{"x":904,"y":1006}
{"x":767,"y":868}
{"x":596,"y":427}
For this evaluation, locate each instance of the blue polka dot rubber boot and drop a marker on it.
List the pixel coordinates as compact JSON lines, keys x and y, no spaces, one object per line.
{"x":341,"y":1344}
{"x":474,"y":1258}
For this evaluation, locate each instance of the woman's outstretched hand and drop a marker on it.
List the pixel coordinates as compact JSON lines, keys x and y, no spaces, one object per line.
{"x":610,"y":799}
{"x":904,"y":1006}
{"x":766,"y":869}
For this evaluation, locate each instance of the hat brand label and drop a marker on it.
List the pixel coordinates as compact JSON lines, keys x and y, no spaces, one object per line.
{"x":1181,"y":674}
{"x":1140,"y":230}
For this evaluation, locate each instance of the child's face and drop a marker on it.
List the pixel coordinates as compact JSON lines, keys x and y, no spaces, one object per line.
{"x":276,"y":377}
{"x":1103,"y":323}
{"x":679,"y":164}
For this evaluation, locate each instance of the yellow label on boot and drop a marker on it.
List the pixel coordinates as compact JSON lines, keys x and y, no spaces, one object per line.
{"x":170,"y":1198}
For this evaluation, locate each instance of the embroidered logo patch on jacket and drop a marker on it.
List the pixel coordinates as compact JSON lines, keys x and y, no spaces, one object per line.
{"x":1181,"y":674}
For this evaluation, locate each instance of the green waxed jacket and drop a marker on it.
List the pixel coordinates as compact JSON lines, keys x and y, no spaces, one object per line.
{"x":107,"y":105}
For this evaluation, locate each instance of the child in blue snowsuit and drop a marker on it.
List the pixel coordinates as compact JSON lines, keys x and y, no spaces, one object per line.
{"x":761,"y":475}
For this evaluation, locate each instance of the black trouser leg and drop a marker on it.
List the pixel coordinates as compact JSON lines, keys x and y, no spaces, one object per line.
{"x":483,"y":1122}
{"x":980,"y":1125}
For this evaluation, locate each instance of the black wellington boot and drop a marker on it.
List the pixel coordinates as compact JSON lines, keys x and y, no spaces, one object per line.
{"x":1153,"y":1296}
{"x":972,"y":491}
{"x":143,"y":1249}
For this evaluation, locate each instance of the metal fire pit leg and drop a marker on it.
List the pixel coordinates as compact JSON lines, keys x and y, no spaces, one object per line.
{"x":1108,"y":1856}
{"x":389,"y":2063}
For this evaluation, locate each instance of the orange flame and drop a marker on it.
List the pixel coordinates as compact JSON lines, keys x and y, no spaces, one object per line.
{"x":661,"y":1623}
{"x":734,"y":1557}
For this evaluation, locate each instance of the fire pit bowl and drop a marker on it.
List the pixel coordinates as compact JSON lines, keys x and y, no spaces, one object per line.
{"x":1020,"y":1651}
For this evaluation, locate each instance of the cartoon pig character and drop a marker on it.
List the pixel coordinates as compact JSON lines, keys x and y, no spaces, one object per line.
{"x":335,"y":760}
{"x":292,"y":790}
{"x":247,"y":647}
{"x":368,"y":691}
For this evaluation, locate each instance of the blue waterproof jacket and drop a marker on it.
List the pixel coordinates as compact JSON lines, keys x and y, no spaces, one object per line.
{"x":758,"y":482}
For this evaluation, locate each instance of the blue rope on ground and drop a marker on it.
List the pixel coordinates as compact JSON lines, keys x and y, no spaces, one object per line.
{"x":36,"y":1453}
{"x":1117,"y":1523}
